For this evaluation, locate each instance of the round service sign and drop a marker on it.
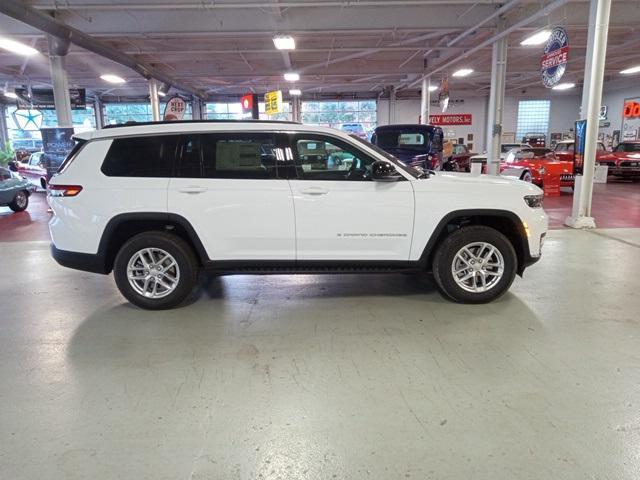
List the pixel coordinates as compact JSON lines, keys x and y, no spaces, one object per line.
{"x":554,"y":61}
{"x":176,"y":106}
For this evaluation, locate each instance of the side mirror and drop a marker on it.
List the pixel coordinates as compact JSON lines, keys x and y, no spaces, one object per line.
{"x":384,"y":172}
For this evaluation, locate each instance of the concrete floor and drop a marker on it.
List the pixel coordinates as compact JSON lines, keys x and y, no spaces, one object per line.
{"x":321,"y":377}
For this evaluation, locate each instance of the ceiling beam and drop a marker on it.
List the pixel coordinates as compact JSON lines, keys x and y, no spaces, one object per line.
{"x":17,"y":10}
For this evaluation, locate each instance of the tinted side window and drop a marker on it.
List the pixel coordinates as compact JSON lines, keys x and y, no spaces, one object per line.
{"x":319,"y":158}
{"x":243,"y":155}
{"x":146,"y":156}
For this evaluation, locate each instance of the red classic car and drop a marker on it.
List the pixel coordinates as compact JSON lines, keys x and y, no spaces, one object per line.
{"x":627,"y":160}
{"x":564,"y":150}
{"x":533,"y":164}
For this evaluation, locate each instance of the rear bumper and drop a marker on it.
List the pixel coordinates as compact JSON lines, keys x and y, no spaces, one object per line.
{"x":87,"y":262}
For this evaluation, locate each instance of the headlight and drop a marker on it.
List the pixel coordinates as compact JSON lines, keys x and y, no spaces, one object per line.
{"x":542,"y":170}
{"x":534,"y":201}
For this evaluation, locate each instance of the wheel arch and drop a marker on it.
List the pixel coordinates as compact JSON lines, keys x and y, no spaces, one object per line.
{"x":124,"y":226}
{"x":504,"y":221}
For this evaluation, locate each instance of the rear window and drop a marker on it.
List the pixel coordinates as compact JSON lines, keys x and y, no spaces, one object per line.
{"x":628,"y":147}
{"x":148,"y":156}
{"x":400,"y":139}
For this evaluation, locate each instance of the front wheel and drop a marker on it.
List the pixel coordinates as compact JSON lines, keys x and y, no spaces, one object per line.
{"x":475,"y":264}
{"x":527,"y":177}
{"x":20,"y":201}
{"x":156,"y":270}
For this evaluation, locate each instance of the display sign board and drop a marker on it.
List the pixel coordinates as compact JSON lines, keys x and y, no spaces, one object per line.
{"x":249,"y":104}
{"x":273,"y":102}
{"x":578,"y":146}
{"x":175,"y":108}
{"x":554,"y":60}
{"x":56,"y":145}
{"x":631,"y":119}
{"x":42,"y":98}
{"x":451,"y":119}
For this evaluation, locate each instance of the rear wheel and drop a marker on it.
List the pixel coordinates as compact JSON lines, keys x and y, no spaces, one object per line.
{"x":526,"y":177}
{"x":156,"y":270}
{"x":20,"y":201}
{"x":474,"y":264}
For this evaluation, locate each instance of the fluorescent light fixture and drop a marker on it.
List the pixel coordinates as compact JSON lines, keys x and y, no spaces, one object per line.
{"x":433,"y":88}
{"x":16,"y":47}
{"x":107,"y":77}
{"x":295,"y":92}
{"x":284,"y":42}
{"x":161,"y":93}
{"x":292,"y":76}
{"x":631,"y":71}
{"x":463,"y":72}
{"x":537,"y":38}
{"x":10,"y":95}
{"x":564,"y":86}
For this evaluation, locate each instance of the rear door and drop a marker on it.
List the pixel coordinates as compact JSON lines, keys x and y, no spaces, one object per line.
{"x":233,"y":189}
{"x":340,"y":213}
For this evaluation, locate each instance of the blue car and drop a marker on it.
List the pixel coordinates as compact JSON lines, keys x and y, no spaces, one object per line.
{"x":14,"y":190}
{"x":416,"y":145}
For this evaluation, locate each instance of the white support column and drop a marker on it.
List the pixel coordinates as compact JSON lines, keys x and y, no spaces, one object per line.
{"x":296,"y":109}
{"x":581,"y":212}
{"x":425,"y":101}
{"x":496,"y":101}
{"x":97,"y":112}
{"x":197,"y":112}
{"x":153,"y":98}
{"x":587,"y":66}
{"x":392,"y":105}
{"x":4,"y":131}
{"x":57,"y":52}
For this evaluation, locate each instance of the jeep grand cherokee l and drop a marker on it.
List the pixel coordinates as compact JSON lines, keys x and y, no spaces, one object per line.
{"x":157,"y":203}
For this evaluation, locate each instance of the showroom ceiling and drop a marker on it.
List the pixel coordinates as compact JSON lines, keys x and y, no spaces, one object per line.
{"x":342,"y":47}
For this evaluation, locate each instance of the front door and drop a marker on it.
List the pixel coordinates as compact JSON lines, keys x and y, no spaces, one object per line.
{"x":341,"y":214}
{"x":233,"y":190}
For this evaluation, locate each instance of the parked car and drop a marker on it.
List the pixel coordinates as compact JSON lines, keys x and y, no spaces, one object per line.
{"x":156,"y":203}
{"x":564,"y":150}
{"x":533,"y":164}
{"x":627,"y":160}
{"x":14,"y":190}
{"x":356,"y":129}
{"x":505,"y":148}
{"x":34,"y":170}
{"x":414,"y":144}
{"x":459,"y":160}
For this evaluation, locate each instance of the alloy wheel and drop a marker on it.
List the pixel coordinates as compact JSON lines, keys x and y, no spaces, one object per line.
{"x":477,"y":267}
{"x":153,"y":272}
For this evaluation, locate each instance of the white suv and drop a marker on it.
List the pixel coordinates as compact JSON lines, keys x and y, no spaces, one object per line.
{"x":158,"y":203}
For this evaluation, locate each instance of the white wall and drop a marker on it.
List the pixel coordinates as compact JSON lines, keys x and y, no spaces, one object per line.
{"x":565,"y":108}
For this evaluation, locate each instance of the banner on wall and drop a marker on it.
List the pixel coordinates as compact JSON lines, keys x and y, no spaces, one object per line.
{"x":42,"y":98}
{"x":578,"y":146}
{"x":554,"y":60}
{"x":631,"y":119}
{"x":451,"y":119}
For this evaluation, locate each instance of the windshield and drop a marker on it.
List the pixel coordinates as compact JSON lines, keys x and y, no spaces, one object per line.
{"x":410,"y":170}
{"x":628,"y":147}
{"x":506,"y":147}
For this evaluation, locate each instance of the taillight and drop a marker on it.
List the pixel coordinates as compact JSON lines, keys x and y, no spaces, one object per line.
{"x":63,"y":190}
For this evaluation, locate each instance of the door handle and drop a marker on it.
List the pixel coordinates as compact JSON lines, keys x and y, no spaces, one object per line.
{"x":192,"y":190}
{"x":314,"y":191}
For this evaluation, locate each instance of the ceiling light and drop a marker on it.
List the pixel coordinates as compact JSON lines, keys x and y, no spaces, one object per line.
{"x":463,"y":72}
{"x":161,"y":93}
{"x":291,"y":76}
{"x":10,"y":95}
{"x":107,"y":77}
{"x":537,"y":38}
{"x":295,"y":92}
{"x":16,"y":47}
{"x":284,"y":43}
{"x":631,"y":70}
{"x":564,"y":86}
{"x":433,"y":88}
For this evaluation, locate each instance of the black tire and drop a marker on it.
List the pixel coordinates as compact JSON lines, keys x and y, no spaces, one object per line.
{"x":186,"y":263}
{"x":20,"y":201}
{"x":452,"y":244}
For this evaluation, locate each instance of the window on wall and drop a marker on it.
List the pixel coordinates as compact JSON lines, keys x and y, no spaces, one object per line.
{"x":115,"y":113}
{"x":533,"y":117}
{"x":233,"y":111}
{"x":336,"y":114}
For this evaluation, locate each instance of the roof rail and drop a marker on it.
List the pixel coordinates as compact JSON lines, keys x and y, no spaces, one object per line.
{"x":172,"y":122}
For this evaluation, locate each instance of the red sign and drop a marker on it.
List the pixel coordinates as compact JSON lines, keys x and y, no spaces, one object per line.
{"x":247,"y":103}
{"x":631,"y":109}
{"x":554,"y":58}
{"x":461,"y":119}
